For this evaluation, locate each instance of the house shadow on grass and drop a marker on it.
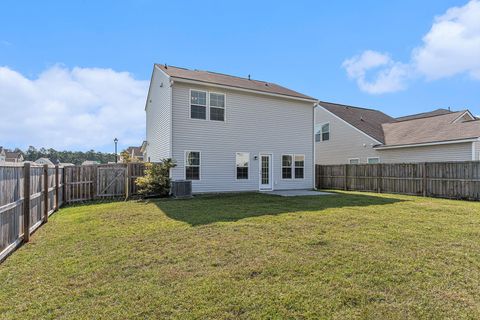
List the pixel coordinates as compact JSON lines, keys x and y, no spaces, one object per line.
{"x":207,"y":209}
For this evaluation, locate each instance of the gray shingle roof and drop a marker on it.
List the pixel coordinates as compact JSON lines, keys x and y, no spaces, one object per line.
{"x":430,"y":129}
{"x":367,"y":120}
{"x":230,"y":81}
{"x":437,"y":112}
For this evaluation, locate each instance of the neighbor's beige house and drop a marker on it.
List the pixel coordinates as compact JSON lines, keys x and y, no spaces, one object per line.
{"x":347,"y":134}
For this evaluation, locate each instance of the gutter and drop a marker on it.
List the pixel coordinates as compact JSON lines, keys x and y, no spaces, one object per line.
{"x":183,"y":80}
{"x":387,"y":147}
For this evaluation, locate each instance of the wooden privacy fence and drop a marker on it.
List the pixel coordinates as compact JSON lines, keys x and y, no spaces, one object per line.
{"x":452,"y":180}
{"x":29,"y":194}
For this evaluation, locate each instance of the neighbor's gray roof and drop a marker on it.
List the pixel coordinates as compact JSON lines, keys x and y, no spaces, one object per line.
{"x":437,"y":112}
{"x":367,"y":120}
{"x":230,"y":81}
{"x":430,"y":129}
{"x":12,"y":155}
{"x":136,"y":151}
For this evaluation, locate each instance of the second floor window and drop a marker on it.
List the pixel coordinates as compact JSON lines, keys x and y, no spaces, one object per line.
{"x":217,"y":106}
{"x":322,"y":133}
{"x":198,"y":104}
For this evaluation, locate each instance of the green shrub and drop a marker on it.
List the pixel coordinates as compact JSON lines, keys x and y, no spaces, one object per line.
{"x":156,"y":179}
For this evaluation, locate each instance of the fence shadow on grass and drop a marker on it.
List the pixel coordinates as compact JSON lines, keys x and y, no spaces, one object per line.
{"x":207,"y":209}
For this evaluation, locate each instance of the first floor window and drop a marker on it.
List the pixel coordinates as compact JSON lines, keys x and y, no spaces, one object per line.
{"x":299,"y":166}
{"x":287,"y":167}
{"x":192,"y":165}
{"x":354,"y":161}
{"x":217,"y":106}
{"x":198,"y":104}
{"x":373,"y":160}
{"x":242,"y":161}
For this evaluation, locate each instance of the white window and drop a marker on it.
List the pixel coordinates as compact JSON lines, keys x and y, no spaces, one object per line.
{"x":299,"y":166}
{"x":198,"y":104}
{"x":242,"y":162}
{"x":287,"y":166}
{"x":373,"y":160}
{"x":354,"y":161}
{"x":322,"y":133}
{"x":217,"y":106}
{"x":192,"y":165}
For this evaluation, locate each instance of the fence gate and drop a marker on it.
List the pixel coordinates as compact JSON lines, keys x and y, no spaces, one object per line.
{"x":111,"y":180}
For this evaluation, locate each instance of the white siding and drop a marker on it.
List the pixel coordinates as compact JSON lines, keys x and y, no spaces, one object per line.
{"x":254,"y":124}
{"x":159,"y":117}
{"x":437,"y":153}
{"x":345,"y":141}
{"x":476,"y":151}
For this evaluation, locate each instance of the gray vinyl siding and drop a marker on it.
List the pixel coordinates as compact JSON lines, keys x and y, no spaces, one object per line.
{"x":159,"y":118}
{"x":345,"y":141}
{"x":477,"y":151}
{"x":437,"y":153}
{"x":253,"y":123}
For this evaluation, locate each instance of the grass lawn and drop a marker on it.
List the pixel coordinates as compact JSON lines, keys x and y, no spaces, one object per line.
{"x":251,"y":256}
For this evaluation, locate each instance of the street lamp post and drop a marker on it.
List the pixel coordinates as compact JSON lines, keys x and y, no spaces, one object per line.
{"x":116,"y":141}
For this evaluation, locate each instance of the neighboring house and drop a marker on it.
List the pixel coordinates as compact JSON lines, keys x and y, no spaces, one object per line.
{"x":227,"y":133}
{"x":66,"y":164}
{"x":2,"y":155}
{"x":346,"y":134}
{"x":90,"y":162}
{"x":43,"y":161}
{"x":143,"y":150}
{"x":13,"y":157}
{"x":135,"y":153}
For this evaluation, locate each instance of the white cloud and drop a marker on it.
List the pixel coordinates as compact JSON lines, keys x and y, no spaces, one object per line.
{"x":451,"y":47}
{"x":391,"y":76}
{"x":79,"y":108}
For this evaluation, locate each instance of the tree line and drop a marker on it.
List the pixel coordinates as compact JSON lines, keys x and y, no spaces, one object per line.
{"x":75,"y":157}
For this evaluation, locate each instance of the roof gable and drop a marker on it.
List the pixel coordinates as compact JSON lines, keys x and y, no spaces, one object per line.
{"x":368,"y":121}
{"x":230,"y":81}
{"x":433,"y":113}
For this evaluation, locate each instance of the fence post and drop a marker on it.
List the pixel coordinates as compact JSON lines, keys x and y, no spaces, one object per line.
{"x":45,"y":192}
{"x":26,"y":202}
{"x":57,"y":182}
{"x":380,"y":178}
{"x":424,"y":188}
{"x":95,"y":181}
{"x":64,"y":186}
{"x":345,"y":180}
{"x":127,"y":181}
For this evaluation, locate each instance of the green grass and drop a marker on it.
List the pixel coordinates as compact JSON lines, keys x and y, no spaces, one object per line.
{"x":251,"y":256}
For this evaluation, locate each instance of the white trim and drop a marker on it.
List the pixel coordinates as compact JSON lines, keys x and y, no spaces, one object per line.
{"x":292,"y":168}
{"x":271,"y":180}
{"x":349,"y":159}
{"x":185,"y":165}
{"x":424,"y":144}
{"x":368,"y":159}
{"x":350,"y":125}
{"x":204,"y":83}
{"x":464,"y":113}
{"x":248,"y":167}
{"x":207,"y":113}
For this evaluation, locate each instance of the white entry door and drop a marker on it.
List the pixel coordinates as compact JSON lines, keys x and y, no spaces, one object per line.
{"x":265,"y":172}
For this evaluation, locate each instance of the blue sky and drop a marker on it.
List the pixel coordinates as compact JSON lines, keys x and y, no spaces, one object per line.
{"x":302,"y":45}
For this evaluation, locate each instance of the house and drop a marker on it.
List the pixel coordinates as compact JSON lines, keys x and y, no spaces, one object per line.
{"x":13,"y":157}
{"x":2,"y":155}
{"x":135,"y":154}
{"x":347,"y":134}
{"x":90,"y":162}
{"x":43,"y":161}
{"x":227,"y":133}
